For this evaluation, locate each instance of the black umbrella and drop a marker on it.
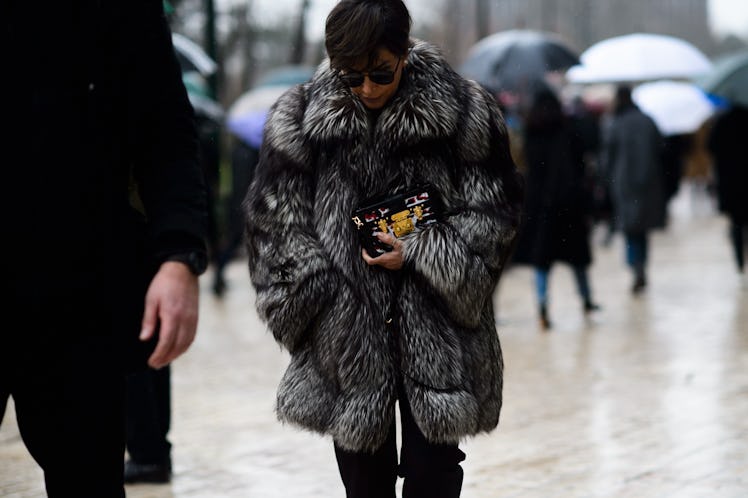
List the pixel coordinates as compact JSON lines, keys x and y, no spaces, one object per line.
{"x":510,"y":60}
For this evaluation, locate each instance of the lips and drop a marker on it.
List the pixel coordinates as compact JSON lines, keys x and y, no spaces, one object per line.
{"x":370,"y":101}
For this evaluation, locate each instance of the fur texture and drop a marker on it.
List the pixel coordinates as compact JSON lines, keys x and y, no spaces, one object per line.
{"x":322,"y":156}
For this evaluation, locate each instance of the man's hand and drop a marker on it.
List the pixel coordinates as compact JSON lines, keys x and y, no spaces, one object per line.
{"x":392,"y":260}
{"x":171,"y":303}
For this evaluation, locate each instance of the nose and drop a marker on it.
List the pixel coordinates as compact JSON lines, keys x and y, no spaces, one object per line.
{"x":367,"y":87}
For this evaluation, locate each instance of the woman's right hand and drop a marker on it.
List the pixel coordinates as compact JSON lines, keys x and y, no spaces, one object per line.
{"x":391,"y":260}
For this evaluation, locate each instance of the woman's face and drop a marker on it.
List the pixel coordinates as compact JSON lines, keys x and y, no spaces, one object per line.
{"x":373,"y":89}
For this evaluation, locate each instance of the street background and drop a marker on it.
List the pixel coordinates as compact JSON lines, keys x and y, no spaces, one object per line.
{"x":647,"y":399}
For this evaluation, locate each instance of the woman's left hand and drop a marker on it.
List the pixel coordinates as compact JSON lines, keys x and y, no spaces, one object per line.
{"x":392,"y":260}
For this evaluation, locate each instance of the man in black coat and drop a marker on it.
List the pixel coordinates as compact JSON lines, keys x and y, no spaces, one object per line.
{"x":104,"y":226}
{"x":728,"y":148}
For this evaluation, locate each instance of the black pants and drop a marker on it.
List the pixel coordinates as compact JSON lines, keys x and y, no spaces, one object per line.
{"x":429,"y":470}
{"x":69,"y":406}
{"x":148,"y":410}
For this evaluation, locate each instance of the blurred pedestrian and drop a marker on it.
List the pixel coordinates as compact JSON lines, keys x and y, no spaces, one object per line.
{"x":244,"y":157}
{"x":585,"y":125}
{"x":107,"y":218}
{"x":631,"y":158}
{"x":675,"y":149}
{"x":208,"y":133}
{"x":413,"y":325}
{"x":602,"y":197}
{"x":557,"y":215}
{"x":510,"y":105}
{"x":728,"y":146}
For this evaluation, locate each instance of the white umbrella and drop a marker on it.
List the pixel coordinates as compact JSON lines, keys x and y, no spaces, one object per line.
{"x":677,"y":107}
{"x":639,"y":57}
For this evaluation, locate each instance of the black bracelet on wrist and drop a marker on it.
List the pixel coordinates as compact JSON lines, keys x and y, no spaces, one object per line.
{"x":196,"y":261}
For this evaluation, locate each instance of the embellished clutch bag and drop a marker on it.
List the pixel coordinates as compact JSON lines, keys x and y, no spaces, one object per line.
{"x":397,"y":215}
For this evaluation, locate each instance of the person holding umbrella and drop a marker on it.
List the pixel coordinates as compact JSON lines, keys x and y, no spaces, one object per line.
{"x":414,"y":325}
{"x":631,"y":159}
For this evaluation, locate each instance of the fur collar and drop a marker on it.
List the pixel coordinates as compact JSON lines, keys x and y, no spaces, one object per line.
{"x":425,"y":106}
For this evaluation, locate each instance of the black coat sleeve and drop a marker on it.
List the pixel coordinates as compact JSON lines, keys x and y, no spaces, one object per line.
{"x":167,"y":157}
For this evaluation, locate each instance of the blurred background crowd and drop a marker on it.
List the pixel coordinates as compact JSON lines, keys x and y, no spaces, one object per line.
{"x":685,"y":64}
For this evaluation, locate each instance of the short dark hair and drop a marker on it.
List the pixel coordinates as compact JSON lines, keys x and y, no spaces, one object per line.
{"x":358,"y":28}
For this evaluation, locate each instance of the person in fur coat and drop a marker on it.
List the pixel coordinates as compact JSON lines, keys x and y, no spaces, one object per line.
{"x":415,"y":325}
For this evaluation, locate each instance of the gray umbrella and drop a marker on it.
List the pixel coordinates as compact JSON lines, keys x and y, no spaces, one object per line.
{"x":510,"y":60}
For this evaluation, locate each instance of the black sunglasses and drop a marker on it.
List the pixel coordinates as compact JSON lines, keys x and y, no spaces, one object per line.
{"x":378,"y":76}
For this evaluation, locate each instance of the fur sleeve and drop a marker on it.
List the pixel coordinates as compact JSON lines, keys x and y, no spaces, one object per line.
{"x":291,"y":275}
{"x":462,"y":258}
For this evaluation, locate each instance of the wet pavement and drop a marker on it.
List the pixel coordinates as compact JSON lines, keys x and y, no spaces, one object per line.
{"x":646,"y":398}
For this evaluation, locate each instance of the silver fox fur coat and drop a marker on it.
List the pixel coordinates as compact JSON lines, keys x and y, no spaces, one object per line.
{"x":322,"y":155}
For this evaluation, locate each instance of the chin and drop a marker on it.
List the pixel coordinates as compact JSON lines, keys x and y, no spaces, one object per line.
{"x":373,"y":103}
